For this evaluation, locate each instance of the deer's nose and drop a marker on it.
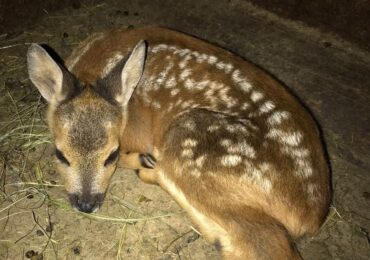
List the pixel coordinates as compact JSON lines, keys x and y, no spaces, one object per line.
{"x":86,"y":202}
{"x":86,"y":205}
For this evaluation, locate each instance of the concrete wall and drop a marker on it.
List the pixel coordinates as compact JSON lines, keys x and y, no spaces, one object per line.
{"x":349,"y":19}
{"x":16,"y":15}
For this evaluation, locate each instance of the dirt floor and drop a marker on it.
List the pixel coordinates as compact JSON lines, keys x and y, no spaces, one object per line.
{"x":139,"y":221}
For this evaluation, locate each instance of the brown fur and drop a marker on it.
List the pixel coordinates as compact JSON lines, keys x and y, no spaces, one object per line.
{"x":249,"y":203}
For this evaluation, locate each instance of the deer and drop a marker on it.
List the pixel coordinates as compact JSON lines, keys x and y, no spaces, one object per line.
{"x":229,"y":143}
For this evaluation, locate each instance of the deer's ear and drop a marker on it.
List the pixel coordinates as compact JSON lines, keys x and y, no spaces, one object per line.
{"x":131,"y":73}
{"x":53,"y":81}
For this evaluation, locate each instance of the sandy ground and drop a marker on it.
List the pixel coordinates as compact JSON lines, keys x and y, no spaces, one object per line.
{"x":139,"y":221}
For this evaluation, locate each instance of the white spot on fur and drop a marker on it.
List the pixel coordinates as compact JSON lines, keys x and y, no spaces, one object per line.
{"x":231,"y":160}
{"x":226,"y":98}
{"x":213,"y":128}
{"x":245,"y":106}
{"x":195,"y":54}
{"x":187,"y":153}
{"x":201,"y":58}
{"x":292,"y":139}
{"x":199,"y":162}
{"x":241,"y":81}
{"x":258,"y":174}
{"x":174,"y":91}
{"x":264,"y":182}
{"x":267,"y":107}
{"x":245,"y":86}
{"x":182,"y":52}
{"x":277,"y":117}
{"x":185,"y":61}
{"x":187,"y":104}
{"x":163,"y":74}
{"x":156,"y":105}
{"x":189,"y":125}
{"x":189,"y":142}
{"x":185,"y":73}
{"x":173,"y":48}
{"x":226,"y":142}
{"x":212,"y":60}
{"x":220,"y":65}
{"x":304,"y":167}
{"x":265,"y":167}
{"x":239,"y":148}
{"x":188,"y":163}
{"x":160,"y":47}
{"x":189,"y":83}
{"x":228,"y":67}
{"x":170,"y":83}
{"x":296,"y":152}
{"x":170,"y":107}
{"x":196,"y":173}
{"x":178,"y":102}
{"x":201,"y":85}
{"x":236,"y":128}
{"x":236,"y":76}
{"x":301,"y":160}
{"x":256,"y":96}
{"x":311,"y":188}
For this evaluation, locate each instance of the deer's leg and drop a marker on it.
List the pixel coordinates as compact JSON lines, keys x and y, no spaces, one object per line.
{"x":254,"y":235}
{"x":137,"y":161}
{"x":144,"y":163}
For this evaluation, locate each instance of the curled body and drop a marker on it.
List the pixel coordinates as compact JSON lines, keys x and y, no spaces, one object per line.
{"x":237,"y":151}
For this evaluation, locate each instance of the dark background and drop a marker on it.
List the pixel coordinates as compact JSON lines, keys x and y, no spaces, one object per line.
{"x":350,"y":19}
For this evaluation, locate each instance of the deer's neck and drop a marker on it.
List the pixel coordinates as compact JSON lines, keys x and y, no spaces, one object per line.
{"x":138,"y":133}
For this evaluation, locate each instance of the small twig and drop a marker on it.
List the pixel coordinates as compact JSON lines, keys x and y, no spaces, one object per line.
{"x":11,"y":205}
{"x":43,"y":231}
{"x":177,"y":238}
{"x":7,"y":220}
{"x":195,"y":230}
{"x":120,"y":243}
{"x":124,"y":220}
{"x":51,"y":233}
{"x":29,"y":232}
{"x":14,"y":45}
{"x":10,"y":215}
{"x":34,"y":183}
{"x":3,"y":177}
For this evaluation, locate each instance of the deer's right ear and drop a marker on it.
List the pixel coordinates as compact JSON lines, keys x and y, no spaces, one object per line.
{"x":47,"y":75}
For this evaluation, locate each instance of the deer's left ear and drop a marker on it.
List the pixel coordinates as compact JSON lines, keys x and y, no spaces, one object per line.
{"x":54,"y":82}
{"x":131,"y":73}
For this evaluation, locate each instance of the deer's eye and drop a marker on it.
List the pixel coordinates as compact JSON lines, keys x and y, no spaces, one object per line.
{"x":61,"y":157}
{"x":112,"y":157}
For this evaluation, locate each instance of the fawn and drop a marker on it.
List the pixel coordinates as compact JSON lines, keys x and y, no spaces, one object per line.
{"x":224,"y":139}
